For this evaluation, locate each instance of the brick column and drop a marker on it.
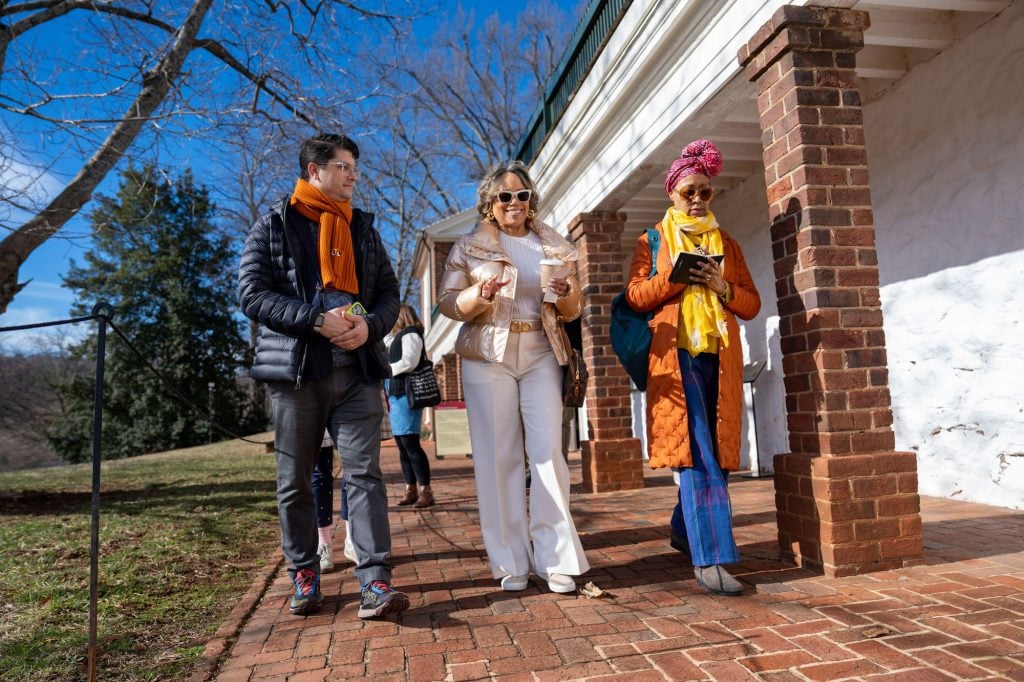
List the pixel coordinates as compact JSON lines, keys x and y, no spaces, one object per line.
{"x":846,"y":502}
{"x":612,"y":458}
{"x":439,"y":258}
{"x":449,"y":377}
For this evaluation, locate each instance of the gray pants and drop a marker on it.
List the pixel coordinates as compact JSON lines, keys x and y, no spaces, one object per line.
{"x":351,"y":410}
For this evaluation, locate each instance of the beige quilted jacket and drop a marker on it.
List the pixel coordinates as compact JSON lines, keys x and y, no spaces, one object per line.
{"x":478,"y":256}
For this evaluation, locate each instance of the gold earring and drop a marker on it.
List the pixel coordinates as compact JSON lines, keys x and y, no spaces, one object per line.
{"x":490,"y":216}
{"x":531,"y":214}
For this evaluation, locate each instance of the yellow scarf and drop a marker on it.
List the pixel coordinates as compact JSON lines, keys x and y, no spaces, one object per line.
{"x":701,"y":316}
{"x":337,"y":260}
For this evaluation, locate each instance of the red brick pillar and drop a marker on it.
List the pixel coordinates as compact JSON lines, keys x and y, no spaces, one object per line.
{"x":439,"y":259}
{"x":449,"y":377}
{"x":847,"y":503}
{"x":612,"y":458}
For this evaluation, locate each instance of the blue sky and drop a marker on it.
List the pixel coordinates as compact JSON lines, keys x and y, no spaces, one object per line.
{"x":45,"y":298}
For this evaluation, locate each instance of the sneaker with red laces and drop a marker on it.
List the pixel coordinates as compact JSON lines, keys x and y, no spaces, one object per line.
{"x":379,"y":599}
{"x":307,"y":597}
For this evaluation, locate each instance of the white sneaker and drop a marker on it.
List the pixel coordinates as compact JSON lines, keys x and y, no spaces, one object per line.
{"x":326,"y":563}
{"x":350,"y":550}
{"x":515,"y":583}
{"x":557,"y":582}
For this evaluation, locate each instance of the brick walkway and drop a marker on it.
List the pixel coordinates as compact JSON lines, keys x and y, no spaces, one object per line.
{"x":959,"y":617}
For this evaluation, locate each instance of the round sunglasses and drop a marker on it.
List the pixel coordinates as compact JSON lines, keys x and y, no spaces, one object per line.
{"x":705,"y":193}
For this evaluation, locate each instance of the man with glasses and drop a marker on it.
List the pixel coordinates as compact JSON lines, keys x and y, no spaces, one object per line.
{"x":315,"y":276}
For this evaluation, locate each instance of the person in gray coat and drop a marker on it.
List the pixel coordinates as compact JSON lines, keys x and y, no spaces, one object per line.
{"x":315,"y":276}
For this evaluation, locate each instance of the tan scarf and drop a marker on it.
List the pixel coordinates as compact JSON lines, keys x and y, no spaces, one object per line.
{"x":337,"y":260}
{"x":701,"y":316}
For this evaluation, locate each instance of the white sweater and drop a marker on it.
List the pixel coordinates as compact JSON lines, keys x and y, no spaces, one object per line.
{"x":412,"y":348}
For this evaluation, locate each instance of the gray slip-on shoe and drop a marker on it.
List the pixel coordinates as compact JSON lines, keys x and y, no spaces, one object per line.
{"x":716,"y":579}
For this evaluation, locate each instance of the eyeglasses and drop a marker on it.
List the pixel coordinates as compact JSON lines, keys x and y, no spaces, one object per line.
{"x":344,"y":166}
{"x":705,"y":193}
{"x":522,"y":196}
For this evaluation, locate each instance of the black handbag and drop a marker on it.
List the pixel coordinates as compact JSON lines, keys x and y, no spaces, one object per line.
{"x":574,"y":380}
{"x":421,"y":389}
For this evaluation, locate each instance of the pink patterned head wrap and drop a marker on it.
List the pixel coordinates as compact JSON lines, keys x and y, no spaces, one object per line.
{"x":700,"y":156}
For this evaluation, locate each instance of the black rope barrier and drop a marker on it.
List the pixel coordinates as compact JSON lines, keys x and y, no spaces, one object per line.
{"x":178,"y":394}
{"x":124,"y":338}
{"x":55,"y":323}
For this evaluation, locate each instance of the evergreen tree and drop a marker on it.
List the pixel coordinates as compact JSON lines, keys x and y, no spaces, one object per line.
{"x":169,"y":273}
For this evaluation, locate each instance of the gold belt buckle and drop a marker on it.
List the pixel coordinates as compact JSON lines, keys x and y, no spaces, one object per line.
{"x":519,"y":326}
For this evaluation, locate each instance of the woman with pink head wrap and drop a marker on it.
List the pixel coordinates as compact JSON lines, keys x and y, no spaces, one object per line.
{"x":695,"y":369}
{"x":700,"y":157}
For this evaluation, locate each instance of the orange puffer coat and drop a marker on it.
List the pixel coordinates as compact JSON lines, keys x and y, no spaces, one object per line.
{"x":668,"y":435}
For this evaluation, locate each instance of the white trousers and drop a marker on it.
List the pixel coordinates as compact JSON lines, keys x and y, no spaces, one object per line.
{"x":515,"y":409}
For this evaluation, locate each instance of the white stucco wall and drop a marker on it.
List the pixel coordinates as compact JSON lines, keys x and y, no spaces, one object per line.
{"x":946,"y":154}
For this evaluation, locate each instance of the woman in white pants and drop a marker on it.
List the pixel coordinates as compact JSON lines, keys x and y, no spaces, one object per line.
{"x":513,"y":349}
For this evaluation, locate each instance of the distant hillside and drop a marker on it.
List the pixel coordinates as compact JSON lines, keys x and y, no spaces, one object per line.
{"x":28,"y":406}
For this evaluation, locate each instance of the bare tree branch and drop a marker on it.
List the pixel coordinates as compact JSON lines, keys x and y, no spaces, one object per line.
{"x":279,"y":83}
{"x":16,"y":247}
{"x":456,"y":108}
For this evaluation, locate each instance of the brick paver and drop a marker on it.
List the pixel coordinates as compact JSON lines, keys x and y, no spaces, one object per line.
{"x":958,"y":617}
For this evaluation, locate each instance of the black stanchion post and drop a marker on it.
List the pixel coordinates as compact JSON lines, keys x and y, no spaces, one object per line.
{"x":104,"y":311}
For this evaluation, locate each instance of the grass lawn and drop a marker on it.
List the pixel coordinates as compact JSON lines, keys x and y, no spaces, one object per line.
{"x":182,"y":535}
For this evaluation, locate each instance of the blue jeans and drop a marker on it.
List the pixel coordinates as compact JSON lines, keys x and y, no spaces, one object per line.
{"x":703,"y":513}
{"x":323,"y":489}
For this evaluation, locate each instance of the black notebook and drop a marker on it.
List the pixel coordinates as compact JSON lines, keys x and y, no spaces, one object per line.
{"x":687,"y":259}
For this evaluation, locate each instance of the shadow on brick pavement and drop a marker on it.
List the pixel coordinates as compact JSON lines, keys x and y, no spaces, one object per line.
{"x":958,"y":616}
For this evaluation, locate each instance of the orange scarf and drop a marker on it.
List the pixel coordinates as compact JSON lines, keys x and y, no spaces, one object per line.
{"x":337,"y":260}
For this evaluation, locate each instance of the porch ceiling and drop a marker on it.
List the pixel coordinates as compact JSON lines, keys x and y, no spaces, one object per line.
{"x":903,"y":34}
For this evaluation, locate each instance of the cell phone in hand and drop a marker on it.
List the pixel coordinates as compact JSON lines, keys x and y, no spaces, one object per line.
{"x":356,"y":309}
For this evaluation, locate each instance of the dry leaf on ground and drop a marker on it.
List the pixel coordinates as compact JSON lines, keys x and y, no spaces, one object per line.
{"x":592,"y":591}
{"x":878,"y":631}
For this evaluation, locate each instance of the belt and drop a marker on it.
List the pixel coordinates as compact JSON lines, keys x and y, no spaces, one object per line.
{"x":517,"y":326}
